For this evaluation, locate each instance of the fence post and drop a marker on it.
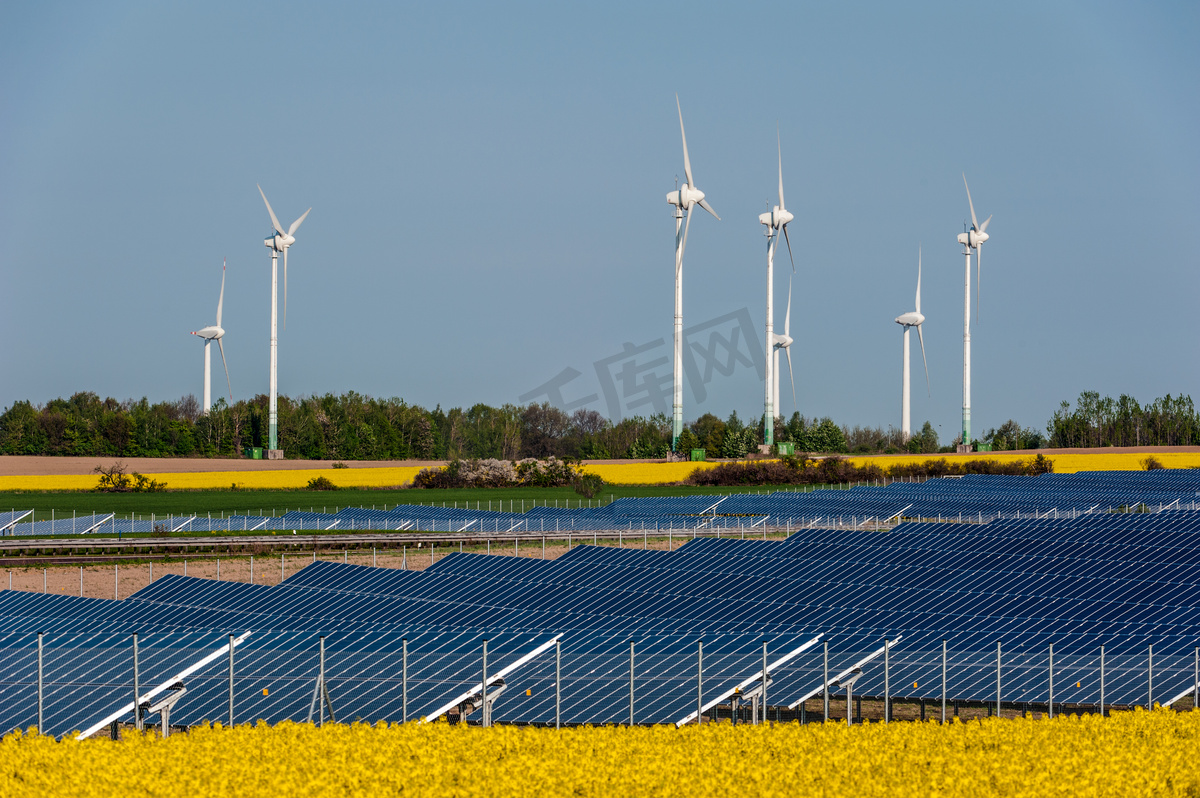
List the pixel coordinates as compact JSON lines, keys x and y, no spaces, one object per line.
{"x":137,"y":708}
{"x":699,"y":682}
{"x":825,"y":682}
{"x":231,"y":681}
{"x":404,"y":680}
{"x":1101,"y":681}
{"x":558,"y":683}
{"x":1196,"y":682}
{"x":116,"y":582}
{"x":281,"y":571}
{"x":44,"y":580}
{"x":251,"y":569}
{"x":41,"y":720}
{"x":631,"y":682}
{"x":997,"y":678}
{"x":81,"y":581}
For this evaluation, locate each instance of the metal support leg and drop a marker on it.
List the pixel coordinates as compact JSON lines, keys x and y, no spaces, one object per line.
{"x":699,"y":681}
{"x":483,"y":695}
{"x":825,"y":683}
{"x":1050,"y":703}
{"x":558,"y":684}
{"x":887,"y":693}
{"x":137,"y":688}
{"x":1101,"y":681}
{"x":997,"y":678}
{"x":404,"y":680}
{"x":943,"y":681}
{"x":41,"y":723}
{"x":631,"y":672}
{"x":1150,"y":677}
{"x":231,"y":681}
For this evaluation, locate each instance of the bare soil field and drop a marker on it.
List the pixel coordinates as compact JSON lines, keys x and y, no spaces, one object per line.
{"x":16,"y":465}
{"x":108,"y":581}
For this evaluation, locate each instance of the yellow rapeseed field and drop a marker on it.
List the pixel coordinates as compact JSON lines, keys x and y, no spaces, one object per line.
{"x":1133,"y":753}
{"x":613,"y":473}
{"x":1100,"y":460}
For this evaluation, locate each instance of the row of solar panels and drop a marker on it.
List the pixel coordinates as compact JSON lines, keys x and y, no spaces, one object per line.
{"x":1127,"y":585}
{"x":974,"y":497}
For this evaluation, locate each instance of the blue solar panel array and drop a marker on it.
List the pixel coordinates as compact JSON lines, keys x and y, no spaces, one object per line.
{"x":1126,"y":581}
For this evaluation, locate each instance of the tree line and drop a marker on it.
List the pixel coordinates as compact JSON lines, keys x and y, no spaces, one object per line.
{"x":351,"y":426}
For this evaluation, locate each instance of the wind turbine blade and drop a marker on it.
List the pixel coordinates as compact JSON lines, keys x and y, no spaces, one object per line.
{"x":221,"y":298}
{"x":296,"y":224}
{"x":978,"y":274}
{"x":683,"y":247}
{"x":780,"y":148}
{"x":921,"y":338}
{"x":687,"y":164}
{"x":274,"y":221}
{"x":983,"y":227}
{"x":787,"y":350}
{"x":704,"y":204}
{"x":221,"y":346}
{"x":787,"y":317}
{"x":974,"y":222}
{"x":918,"y":278}
{"x":285,"y":249}
{"x":788,"y":241}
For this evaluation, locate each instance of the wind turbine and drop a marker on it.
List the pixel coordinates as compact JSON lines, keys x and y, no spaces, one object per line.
{"x":776,"y":221}
{"x":214,"y":333}
{"x":279,"y":242}
{"x":972,"y":239}
{"x":683,"y":199}
{"x":908,"y":321}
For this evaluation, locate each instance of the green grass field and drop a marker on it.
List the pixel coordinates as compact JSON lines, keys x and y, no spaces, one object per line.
{"x":276,"y":502}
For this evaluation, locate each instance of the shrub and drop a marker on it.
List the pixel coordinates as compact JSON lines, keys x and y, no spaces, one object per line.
{"x":588,"y":485}
{"x":1040,"y":465}
{"x":1151,"y":463}
{"x":340,"y":464}
{"x":114,"y":480}
{"x":491,"y":473}
{"x":321,"y":483}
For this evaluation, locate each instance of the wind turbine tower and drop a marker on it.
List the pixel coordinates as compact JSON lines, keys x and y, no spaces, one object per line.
{"x":908,"y":321}
{"x":209,"y":334}
{"x":776,"y":221}
{"x":971,"y":240}
{"x":279,"y":242}
{"x":683,"y":199}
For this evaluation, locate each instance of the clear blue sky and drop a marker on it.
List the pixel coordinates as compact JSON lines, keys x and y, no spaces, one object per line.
{"x":487,"y":184}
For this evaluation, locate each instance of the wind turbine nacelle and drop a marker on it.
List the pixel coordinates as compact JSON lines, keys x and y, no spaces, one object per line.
{"x":776,"y":218}
{"x":685,"y":197}
{"x":912,"y":319}
{"x":782,"y":341}
{"x":972,"y":239}
{"x":210,"y":333}
{"x":279,"y":242}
